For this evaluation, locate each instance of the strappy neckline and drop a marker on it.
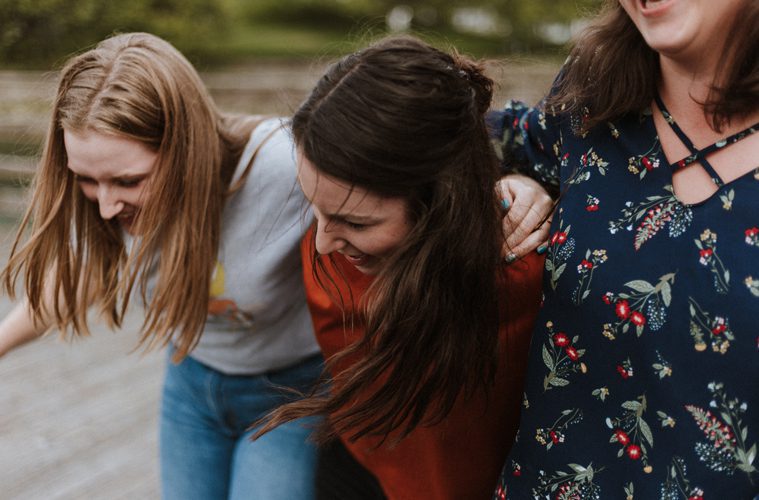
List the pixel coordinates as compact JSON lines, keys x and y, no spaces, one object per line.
{"x":701,"y":154}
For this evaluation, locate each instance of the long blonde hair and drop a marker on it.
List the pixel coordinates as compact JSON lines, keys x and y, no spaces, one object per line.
{"x":139,"y":87}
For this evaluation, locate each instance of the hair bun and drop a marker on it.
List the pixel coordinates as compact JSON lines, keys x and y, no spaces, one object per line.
{"x":481,"y":85}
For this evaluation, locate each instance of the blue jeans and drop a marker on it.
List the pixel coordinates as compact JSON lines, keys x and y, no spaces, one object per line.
{"x":206,"y":452}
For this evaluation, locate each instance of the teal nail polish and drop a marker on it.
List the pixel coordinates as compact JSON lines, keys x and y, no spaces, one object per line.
{"x":542,"y":249}
{"x":510,"y":258}
{"x":505,"y":204}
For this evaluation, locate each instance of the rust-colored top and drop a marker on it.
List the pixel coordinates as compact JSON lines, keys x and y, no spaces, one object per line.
{"x":461,"y":457}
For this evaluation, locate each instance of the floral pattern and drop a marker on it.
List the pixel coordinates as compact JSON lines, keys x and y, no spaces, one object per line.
{"x":642,"y":372}
{"x":569,"y":485}
{"x":561,"y":357}
{"x":645,"y":162}
{"x":752,"y":285}
{"x":724,"y":448}
{"x":555,"y":433}
{"x":706,"y":327}
{"x":640,"y":296}
{"x":588,"y":161}
{"x":707,"y":253}
{"x":648,"y":217}
{"x":676,"y":484}
{"x":585,"y":269}
{"x":560,"y":250}
{"x":632,"y":432}
{"x":752,"y":236}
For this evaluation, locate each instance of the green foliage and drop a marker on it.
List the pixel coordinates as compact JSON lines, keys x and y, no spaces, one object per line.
{"x":325,"y":14}
{"x":39,"y":32}
{"x":525,"y":17}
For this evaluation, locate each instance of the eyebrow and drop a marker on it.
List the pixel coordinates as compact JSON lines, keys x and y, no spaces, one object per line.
{"x":356,"y":219}
{"x":120,"y":178}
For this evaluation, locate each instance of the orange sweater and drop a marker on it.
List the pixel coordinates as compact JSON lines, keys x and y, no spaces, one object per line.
{"x":461,"y":457}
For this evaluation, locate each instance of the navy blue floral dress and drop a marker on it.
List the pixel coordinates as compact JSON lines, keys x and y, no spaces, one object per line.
{"x":643,"y":378}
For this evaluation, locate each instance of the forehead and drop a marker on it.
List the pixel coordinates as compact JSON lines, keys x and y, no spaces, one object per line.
{"x":332,"y":196}
{"x":95,"y":153}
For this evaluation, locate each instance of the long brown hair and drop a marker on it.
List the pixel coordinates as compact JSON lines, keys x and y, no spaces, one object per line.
{"x":611,"y":70}
{"x":402,"y":119}
{"x":140,"y":87}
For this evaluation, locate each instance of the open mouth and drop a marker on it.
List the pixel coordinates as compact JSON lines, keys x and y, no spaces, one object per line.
{"x":357,"y":260}
{"x":125,"y":218}
{"x":653,"y":5}
{"x":126,"y":221}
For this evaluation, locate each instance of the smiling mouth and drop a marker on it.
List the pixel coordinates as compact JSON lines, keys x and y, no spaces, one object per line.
{"x":126,"y":220}
{"x":652,"y":4}
{"x":357,"y":260}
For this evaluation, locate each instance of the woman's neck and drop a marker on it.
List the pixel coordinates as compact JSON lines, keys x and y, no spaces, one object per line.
{"x":685,"y":88}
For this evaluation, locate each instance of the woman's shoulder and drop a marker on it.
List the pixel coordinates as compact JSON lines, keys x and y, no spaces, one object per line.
{"x":270,"y":151}
{"x":272,"y":129}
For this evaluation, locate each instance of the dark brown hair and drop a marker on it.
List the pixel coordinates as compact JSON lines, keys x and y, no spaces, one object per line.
{"x":611,"y":70}
{"x":402,"y":119}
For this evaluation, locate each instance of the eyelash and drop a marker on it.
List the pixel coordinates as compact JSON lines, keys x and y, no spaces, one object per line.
{"x":84,"y":180}
{"x":355,"y":226}
{"x":121,"y":183}
{"x":129,"y":184}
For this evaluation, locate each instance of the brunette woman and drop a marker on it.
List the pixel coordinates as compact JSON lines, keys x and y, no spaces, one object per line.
{"x":424,"y":327}
{"x":643,"y":366}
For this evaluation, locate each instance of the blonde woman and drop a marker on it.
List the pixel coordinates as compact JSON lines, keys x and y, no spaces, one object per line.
{"x":147,"y":192}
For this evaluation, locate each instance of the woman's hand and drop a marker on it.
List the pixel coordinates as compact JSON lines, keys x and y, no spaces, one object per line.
{"x":527,"y":220}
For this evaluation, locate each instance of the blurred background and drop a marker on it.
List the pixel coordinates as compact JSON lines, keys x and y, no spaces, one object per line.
{"x":40,"y":32}
{"x":78,"y":419}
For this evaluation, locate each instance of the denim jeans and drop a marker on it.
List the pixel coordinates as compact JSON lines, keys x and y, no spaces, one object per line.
{"x":205,"y":450}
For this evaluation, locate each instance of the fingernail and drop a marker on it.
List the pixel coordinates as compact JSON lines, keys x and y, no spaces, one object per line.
{"x":542,"y":249}
{"x":510,"y":258}
{"x":505,"y":204}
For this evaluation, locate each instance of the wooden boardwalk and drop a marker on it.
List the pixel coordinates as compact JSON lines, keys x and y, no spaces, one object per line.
{"x":78,"y":420}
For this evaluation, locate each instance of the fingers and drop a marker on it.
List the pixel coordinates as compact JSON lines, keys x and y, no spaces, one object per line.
{"x":522,"y":221}
{"x":507,"y":199}
{"x":518,"y":187}
{"x":534,"y":242}
{"x":526,"y":238}
{"x":524,"y":224}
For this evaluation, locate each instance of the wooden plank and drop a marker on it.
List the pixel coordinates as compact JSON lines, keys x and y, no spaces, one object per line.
{"x":79,"y":419}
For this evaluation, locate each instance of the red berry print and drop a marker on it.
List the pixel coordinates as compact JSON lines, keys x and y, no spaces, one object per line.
{"x":622,"y":437}
{"x":633,"y":451}
{"x":637,"y":319}
{"x":572,"y":353}
{"x":622,"y":309}
{"x":560,"y":339}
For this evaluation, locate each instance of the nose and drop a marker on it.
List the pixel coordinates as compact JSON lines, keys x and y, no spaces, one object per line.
{"x":327,"y":240}
{"x":109,"y":203}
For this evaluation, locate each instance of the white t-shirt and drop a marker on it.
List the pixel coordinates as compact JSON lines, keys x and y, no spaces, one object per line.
{"x":258,"y":319}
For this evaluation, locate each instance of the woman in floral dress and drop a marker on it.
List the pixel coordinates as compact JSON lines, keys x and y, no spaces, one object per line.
{"x":644,"y":364}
